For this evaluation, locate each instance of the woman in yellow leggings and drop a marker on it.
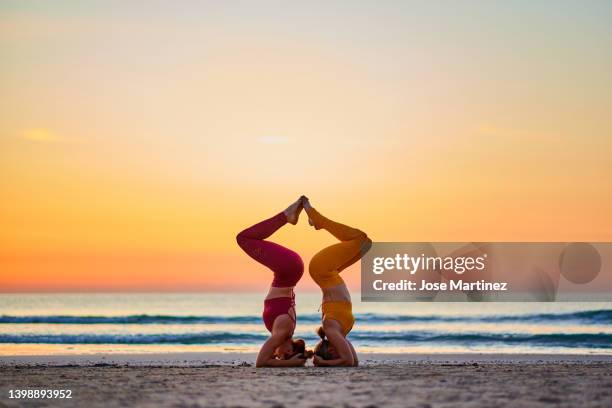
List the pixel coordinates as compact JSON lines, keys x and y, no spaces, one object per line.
{"x":325,"y":267}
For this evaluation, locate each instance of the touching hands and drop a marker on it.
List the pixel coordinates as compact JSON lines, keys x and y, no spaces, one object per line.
{"x":299,"y":360}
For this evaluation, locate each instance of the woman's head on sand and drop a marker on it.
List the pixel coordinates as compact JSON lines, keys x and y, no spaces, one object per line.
{"x":290,"y":348}
{"x":324,"y":348}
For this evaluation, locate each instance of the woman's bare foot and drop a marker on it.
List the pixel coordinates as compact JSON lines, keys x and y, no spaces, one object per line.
{"x":307,"y":207}
{"x":293,"y":211}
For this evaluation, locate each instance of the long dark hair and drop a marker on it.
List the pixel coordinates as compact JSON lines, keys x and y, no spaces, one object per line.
{"x":299,"y":347}
{"x":322,"y":348}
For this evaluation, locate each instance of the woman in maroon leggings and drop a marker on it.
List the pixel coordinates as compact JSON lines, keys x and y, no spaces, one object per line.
{"x":280,"y":350}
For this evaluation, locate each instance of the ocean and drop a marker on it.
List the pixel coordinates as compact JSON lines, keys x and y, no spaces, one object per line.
{"x":141,"y":323}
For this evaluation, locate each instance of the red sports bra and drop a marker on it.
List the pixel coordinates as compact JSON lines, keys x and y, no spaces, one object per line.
{"x":276,"y":307}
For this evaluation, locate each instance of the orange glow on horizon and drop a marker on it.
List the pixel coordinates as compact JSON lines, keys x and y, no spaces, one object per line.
{"x":133,"y":149}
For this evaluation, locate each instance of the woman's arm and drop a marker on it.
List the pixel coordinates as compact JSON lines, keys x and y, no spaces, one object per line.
{"x":295,"y":361}
{"x":337,"y":362}
{"x":354,"y":353}
{"x":281,"y":331}
{"x":266,"y":358}
{"x":342,"y":347}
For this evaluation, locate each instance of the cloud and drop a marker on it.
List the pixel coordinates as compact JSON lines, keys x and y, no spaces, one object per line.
{"x":46,"y":136}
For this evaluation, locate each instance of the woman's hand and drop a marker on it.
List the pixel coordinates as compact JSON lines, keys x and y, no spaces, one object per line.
{"x":294,"y":361}
{"x":298,"y":360}
{"x":318,"y":361}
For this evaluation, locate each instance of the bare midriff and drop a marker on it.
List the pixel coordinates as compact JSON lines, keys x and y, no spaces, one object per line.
{"x":338,"y":293}
{"x":275,"y":292}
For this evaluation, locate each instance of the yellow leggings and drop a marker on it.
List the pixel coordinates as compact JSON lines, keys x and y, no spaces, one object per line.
{"x":326,"y":265}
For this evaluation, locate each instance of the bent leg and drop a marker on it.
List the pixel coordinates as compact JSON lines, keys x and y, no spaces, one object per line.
{"x":327,"y":263}
{"x":286,"y":264}
{"x":340,"y":231}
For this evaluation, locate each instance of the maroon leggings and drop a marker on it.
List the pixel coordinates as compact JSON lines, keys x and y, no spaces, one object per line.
{"x":287,"y":265}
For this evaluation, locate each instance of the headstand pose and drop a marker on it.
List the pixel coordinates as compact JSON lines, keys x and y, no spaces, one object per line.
{"x":337,"y":316}
{"x":280,"y":350}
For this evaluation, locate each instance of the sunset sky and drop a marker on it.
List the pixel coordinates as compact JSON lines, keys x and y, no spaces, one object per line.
{"x":137,"y":138}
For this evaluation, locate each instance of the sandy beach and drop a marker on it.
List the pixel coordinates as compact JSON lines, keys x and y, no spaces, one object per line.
{"x":231,"y":380}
